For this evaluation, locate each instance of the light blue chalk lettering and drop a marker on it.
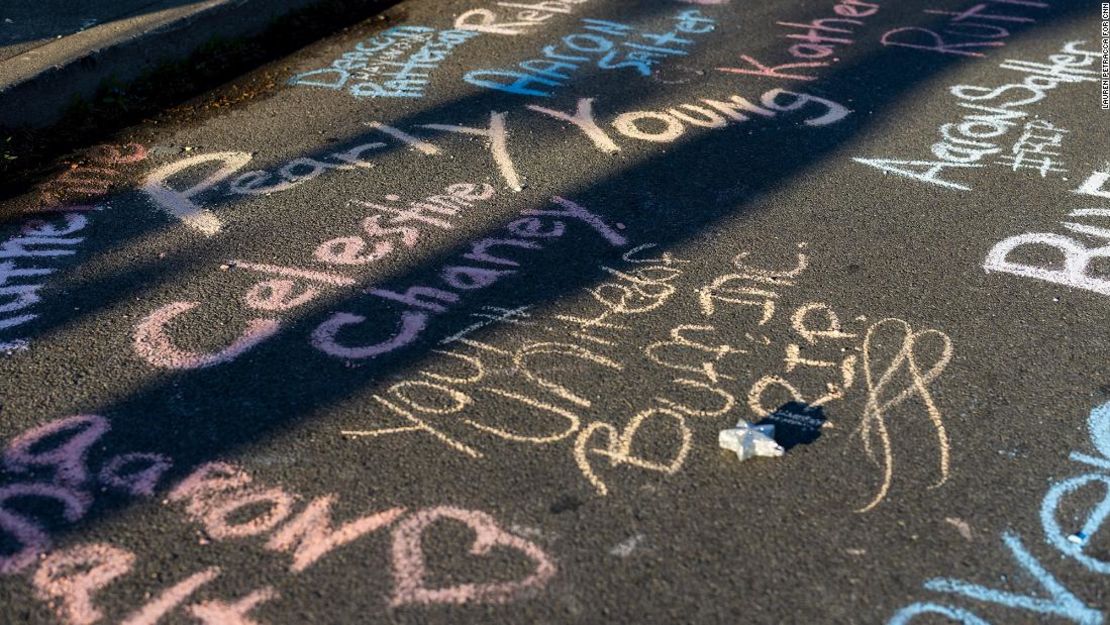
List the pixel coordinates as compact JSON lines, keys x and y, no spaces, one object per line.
{"x":1052,"y":530}
{"x":1062,"y":604}
{"x":546,"y":67}
{"x":607,"y":27}
{"x":577,"y":42}
{"x":520,"y":86}
{"x":1098,"y":424}
{"x":374,"y":90}
{"x":410,"y":31}
{"x":456,"y":37}
{"x":1098,"y":463}
{"x":549,"y":52}
{"x":906,"y":614}
{"x":341,"y":78}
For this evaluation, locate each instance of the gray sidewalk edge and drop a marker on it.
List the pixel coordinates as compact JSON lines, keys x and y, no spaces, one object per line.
{"x":41,"y":98}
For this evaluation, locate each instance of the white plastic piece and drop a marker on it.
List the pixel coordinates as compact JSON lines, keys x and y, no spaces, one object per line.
{"x":1078,"y":538}
{"x":749,"y":441}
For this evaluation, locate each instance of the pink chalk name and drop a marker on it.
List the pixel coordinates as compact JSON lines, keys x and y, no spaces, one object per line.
{"x":817,"y":43}
{"x":494,"y":263}
{"x":229,"y":505}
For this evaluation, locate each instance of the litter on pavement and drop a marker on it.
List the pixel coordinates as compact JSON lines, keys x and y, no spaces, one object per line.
{"x":749,"y":441}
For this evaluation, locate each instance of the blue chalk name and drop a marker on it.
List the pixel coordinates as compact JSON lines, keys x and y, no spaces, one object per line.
{"x":393,"y":64}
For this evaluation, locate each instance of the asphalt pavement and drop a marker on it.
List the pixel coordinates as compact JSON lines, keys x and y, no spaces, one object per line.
{"x":446,"y":324}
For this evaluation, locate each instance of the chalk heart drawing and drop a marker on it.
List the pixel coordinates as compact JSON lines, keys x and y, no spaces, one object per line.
{"x":409,"y":570}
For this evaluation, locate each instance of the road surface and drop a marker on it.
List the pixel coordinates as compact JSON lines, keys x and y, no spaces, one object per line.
{"x":444,"y":326}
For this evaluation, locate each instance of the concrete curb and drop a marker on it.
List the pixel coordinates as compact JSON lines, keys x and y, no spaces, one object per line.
{"x":39,"y":85}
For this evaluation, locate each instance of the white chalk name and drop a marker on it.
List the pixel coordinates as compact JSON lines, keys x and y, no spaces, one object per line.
{"x":970,"y":140}
{"x":1076,"y":270}
{"x":663,"y":126}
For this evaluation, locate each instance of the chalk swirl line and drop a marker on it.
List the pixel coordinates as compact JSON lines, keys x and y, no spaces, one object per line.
{"x":874,"y":421}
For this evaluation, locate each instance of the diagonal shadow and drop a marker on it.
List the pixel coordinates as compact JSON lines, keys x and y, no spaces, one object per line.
{"x":95,"y":294}
{"x":30,"y":155}
{"x":37,"y":21}
{"x":284,"y":380}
